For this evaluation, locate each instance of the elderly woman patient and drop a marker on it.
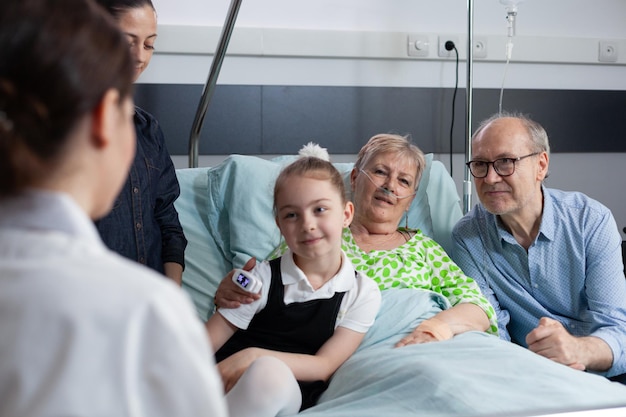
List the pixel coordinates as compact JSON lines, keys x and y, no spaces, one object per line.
{"x":384,"y":179}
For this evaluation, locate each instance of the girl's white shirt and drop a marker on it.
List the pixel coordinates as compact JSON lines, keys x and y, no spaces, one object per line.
{"x":358,"y":308}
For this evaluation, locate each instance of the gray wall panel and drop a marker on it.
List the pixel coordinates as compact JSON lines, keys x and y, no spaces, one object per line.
{"x":232,"y":123}
{"x":576,"y":120}
{"x":279,"y":119}
{"x":343,"y":118}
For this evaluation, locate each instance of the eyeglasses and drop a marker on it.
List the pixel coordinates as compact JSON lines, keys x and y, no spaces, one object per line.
{"x":503,"y":166}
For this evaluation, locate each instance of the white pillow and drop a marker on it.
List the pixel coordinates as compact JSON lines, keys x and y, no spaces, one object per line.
{"x":226,"y":213}
{"x":240,"y":202}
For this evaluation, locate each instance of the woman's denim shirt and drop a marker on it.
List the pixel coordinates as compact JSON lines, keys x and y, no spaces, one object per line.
{"x":143,"y":224}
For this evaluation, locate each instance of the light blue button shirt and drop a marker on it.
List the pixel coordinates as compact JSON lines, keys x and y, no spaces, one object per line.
{"x":573,"y":271}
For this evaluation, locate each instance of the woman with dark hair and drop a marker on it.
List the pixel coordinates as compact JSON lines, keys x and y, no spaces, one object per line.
{"x":143,"y":224}
{"x":83,"y":331}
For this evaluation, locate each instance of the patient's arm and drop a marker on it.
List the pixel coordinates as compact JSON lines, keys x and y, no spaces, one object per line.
{"x":229,"y":295}
{"x":444,"y":325}
{"x":472,"y":264}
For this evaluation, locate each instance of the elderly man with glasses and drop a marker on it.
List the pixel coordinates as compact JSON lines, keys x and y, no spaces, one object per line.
{"x":550,"y":261}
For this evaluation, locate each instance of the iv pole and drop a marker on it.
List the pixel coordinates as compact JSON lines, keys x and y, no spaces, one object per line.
{"x":209,"y":87}
{"x":467,"y":183}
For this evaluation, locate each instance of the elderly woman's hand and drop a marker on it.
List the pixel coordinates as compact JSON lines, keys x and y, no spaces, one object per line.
{"x":431,"y":330}
{"x":229,"y":295}
{"x":444,"y":325}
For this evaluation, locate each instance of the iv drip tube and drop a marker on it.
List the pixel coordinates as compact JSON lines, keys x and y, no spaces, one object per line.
{"x":467,"y":183}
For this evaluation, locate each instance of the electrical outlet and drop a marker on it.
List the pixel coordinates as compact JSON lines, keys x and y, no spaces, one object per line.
{"x":442,"y":51}
{"x":480,"y":47}
{"x":607,"y":51}
{"x":418,"y":45}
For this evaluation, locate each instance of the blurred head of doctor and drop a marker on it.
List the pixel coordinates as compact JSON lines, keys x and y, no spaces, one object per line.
{"x":65,"y":101}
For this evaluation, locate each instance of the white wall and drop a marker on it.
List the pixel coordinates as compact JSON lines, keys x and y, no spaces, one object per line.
{"x":578,"y":24}
{"x":575,"y":18}
{"x":547,"y":31}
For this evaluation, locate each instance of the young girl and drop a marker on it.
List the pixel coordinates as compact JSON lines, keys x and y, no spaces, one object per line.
{"x":277,"y":353}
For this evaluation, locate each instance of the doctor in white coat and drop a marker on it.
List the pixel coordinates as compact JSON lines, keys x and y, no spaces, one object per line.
{"x":83,"y":332}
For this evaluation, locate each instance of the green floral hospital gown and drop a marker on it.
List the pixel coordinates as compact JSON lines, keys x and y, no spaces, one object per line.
{"x":419,"y":263}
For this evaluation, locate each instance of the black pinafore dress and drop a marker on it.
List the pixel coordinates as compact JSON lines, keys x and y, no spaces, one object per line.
{"x":297,"y":328}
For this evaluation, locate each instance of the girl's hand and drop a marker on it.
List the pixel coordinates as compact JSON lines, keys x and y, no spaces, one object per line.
{"x":235,"y":365}
{"x":229,"y":295}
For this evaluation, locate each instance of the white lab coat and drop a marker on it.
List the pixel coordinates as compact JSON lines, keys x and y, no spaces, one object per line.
{"x":85,"y":332}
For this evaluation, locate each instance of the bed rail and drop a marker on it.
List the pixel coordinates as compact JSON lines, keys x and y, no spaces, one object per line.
{"x":216,"y":65}
{"x":209,"y":87}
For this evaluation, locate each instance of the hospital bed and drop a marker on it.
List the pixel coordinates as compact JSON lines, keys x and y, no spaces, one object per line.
{"x":226,"y":213}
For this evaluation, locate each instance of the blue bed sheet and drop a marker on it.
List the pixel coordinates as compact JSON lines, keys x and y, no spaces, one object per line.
{"x":473,"y":374}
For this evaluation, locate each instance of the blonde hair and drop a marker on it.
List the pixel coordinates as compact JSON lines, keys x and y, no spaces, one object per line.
{"x":311,"y":167}
{"x":383,"y":143}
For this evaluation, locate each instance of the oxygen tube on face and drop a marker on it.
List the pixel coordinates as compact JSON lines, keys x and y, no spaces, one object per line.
{"x":385,"y":190}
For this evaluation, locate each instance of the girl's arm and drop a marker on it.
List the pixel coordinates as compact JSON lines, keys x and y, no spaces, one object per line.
{"x":320,"y":366}
{"x":219,"y":330}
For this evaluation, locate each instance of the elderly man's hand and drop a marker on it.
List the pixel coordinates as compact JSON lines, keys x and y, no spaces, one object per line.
{"x":551,"y":340}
